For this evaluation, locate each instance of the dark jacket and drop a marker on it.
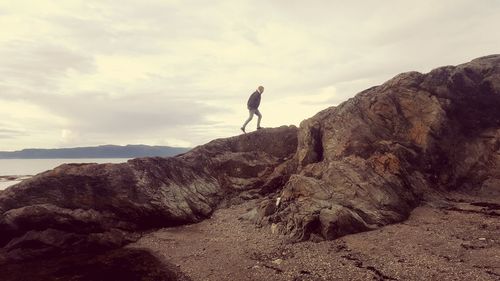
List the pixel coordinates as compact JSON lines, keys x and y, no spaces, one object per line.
{"x":254,"y":100}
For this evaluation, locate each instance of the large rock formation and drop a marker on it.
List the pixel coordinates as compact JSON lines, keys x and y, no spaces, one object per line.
{"x":79,"y":207}
{"x":361,"y":165}
{"x":369,"y":161}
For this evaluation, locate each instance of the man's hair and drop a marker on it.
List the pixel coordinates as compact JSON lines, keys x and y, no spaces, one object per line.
{"x":261,"y":88}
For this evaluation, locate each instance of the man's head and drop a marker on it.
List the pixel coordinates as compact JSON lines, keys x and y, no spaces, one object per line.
{"x":261,"y":89}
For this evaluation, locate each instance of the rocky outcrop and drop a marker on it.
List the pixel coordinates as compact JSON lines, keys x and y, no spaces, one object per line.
{"x":358,"y":166}
{"x":78,"y":207}
{"x":369,"y":161}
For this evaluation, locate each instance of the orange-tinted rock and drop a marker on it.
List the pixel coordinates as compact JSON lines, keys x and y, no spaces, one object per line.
{"x":369,"y":161}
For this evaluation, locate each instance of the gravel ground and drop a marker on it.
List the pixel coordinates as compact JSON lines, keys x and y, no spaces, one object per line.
{"x":457,"y":239}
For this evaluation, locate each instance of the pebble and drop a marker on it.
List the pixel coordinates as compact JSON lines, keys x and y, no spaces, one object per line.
{"x":278,"y":261}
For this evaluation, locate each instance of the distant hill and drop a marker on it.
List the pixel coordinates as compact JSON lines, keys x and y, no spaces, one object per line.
{"x":103,"y":151}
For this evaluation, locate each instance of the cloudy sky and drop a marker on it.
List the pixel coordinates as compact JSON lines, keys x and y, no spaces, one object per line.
{"x":179,"y":72}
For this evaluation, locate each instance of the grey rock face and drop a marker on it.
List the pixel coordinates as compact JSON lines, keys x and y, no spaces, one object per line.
{"x":369,"y":161}
{"x":76,"y":207}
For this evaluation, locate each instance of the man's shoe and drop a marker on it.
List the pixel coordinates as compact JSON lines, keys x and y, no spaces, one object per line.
{"x":258,"y":128}
{"x":243,"y":129}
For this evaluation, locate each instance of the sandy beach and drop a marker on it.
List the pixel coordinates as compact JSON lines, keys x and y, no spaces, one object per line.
{"x":457,"y":239}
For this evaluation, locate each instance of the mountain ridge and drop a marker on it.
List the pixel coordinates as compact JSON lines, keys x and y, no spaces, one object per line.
{"x":101,"y":151}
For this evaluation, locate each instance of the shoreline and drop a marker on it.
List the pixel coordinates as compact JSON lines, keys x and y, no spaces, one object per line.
{"x":6,"y":178}
{"x":10,"y":180}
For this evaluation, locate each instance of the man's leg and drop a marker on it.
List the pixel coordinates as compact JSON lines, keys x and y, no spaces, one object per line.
{"x":257,"y":112}
{"x":250,"y":116}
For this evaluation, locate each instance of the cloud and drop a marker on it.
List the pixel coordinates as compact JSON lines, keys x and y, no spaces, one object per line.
{"x":9,"y":134}
{"x":39,"y":66}
{"x":138,"y":114}
{"x":170,"y":71}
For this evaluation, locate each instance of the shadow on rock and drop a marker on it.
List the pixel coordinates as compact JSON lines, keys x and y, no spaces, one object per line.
{"x":122,"y":264}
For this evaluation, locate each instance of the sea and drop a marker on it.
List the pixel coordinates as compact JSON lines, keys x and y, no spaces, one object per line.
{"x":31,"y":167}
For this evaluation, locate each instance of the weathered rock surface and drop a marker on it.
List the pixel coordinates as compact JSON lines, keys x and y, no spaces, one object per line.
{"x":78,"y":207}
{"x":358,"y":166}
{"x":369,"y":161}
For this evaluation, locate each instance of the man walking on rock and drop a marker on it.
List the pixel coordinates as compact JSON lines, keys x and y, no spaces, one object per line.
{"x":253,"y":108}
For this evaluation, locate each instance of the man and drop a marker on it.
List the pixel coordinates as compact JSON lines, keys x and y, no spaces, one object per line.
{"x":253,"y":108}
